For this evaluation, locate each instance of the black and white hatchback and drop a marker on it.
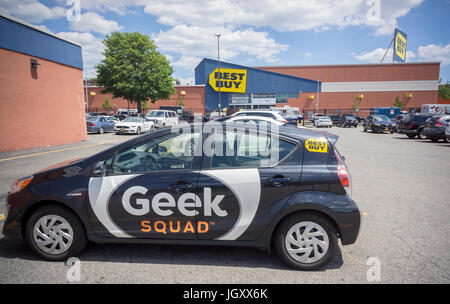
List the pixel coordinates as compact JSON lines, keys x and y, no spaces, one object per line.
{"x":208,"y":184}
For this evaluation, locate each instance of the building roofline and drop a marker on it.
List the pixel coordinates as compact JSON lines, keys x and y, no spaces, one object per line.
{"x":344,"y":65}
{"x":19,"y":21}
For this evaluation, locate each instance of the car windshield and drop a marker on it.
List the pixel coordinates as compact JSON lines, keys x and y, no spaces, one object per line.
{"x":155,"y":114}
{"x":92,"y":118}
{"x":132,"y":119}
{"x":350,"y":117}
{"x":381,"y":119}
{"x":324,"y":118}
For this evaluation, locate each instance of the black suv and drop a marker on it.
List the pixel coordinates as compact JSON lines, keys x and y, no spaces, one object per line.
{"x":348,"y":120}
{"x":335,"y":119}
{"x":166,"y":187}
{"x":434,"y":128}
{"x":378,"y":124}
{"x":413,"y":125}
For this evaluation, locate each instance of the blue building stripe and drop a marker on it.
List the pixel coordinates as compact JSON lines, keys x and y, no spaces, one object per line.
{"x":23,"y":39}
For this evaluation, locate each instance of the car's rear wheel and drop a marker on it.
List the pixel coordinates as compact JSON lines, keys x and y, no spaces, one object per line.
{"x":101,"y":130}
{"x":306,"y":241}
{"x":420,"y":135}
{"x":138,"y":131}
{"x":55,"y":233}
{"x":411,"y":135}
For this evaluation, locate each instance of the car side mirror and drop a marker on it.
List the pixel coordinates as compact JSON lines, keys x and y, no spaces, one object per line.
{"x":99,"y":169}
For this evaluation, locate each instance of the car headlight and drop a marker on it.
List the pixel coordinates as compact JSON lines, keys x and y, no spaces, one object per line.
{"x":21,"y":183}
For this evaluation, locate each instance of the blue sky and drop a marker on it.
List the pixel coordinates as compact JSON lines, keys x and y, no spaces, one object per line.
{"x":254,"y":32}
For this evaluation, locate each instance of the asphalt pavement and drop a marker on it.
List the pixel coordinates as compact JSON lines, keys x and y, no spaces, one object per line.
{"x":402,"y":186}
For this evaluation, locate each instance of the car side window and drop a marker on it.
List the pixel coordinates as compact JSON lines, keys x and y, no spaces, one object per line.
{"x":168,"y":152}
{"x":249,"y":150}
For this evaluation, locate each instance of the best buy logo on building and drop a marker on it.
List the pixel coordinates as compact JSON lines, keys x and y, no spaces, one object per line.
{"x":317,"y":145}
{"x":400,"y":46}
{"x":228,"y":80}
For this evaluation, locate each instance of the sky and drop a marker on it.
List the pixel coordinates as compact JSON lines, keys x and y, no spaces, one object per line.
{"x":253,"y":32}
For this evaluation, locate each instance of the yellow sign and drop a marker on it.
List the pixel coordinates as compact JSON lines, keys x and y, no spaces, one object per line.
{"x":92,"y":93}
{"x":229,"y":80}
{"x":400,"y":46}
{"x":317,"y":145}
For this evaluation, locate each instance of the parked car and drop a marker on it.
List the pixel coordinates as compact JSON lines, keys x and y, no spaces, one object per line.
{"x":271,"y":114}
{"x":142,"y":191}
{"x":323,"y":121}
{"x":348,"y":120}
{"x":335,"y":119}
{"x":315,"y":116}
{"x":134,"y":125}
{"x":255,"y":119}
{"x":447,"y":132}
{"x":98,"y":114}
{"x":434,"y":127}
{"x":378,"y":124}
{"x":120,"y":117}
{"x":99,"y":124}
{"x":163,"y":118}
{"x":412,"y":125}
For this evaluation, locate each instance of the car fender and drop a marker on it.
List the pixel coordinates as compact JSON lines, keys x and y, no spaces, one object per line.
{"x":339,"y":208}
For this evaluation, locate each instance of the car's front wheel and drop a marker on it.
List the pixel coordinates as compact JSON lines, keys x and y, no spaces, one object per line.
{"x":55,"y":233}
{"x":306,"y":241}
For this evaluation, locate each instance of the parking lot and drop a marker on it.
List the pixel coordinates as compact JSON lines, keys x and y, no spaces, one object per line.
{"x":401,"y":185}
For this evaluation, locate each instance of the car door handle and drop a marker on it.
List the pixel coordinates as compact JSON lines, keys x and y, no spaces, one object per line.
{"x":181,"y":187}
{"x":279,"y":181}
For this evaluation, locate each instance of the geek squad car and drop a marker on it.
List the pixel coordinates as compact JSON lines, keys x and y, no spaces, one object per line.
{"x":165,"y":187}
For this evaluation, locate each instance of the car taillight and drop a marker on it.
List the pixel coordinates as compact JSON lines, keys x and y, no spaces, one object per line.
{"x":411,"y":125}
{"x":91,"y":124}
{"x":343,"y":175}
{"x":438,"y":123}
{"x":285,"y":121}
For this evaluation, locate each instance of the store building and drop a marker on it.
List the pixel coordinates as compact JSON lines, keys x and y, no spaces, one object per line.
{"x":324,"y":88}
{"x":41,"y":82}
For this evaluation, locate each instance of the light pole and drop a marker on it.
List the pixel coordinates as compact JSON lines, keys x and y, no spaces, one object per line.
{"x":218,"y":63}
{"x":317,"y":103}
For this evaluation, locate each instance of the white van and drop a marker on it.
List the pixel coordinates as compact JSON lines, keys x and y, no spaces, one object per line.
{"x":163,"y":118}
{"x":127,"y":112}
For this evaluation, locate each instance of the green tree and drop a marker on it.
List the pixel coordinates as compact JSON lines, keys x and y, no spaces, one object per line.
{"x":134,"y":70}
{"x":144,"y":106}
{"x":444,"y":90}
{"x":398,"y":103}
{"x":106,"y":105}
{"x":356,"y":103}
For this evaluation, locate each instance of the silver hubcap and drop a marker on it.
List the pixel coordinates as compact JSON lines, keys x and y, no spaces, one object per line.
{"x":53,"y":234}
{"x":307,"y":242}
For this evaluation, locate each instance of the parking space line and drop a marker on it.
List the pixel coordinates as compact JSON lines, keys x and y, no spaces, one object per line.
{"x":59,"y":150}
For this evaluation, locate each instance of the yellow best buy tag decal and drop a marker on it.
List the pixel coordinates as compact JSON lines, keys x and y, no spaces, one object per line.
{"x":317,"y":145}
{"x":228,"y":80}
{"x":400,"y":46}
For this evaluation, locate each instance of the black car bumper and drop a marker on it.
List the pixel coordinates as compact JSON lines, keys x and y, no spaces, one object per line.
{"x":406,"y":131}
{"x":433,"y":133}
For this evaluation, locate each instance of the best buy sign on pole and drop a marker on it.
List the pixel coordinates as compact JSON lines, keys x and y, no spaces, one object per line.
{"x":399,"y":46}
{"x":229,"y":80}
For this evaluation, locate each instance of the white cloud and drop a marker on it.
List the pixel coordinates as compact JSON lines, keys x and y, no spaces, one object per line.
{"x":434,"y":52}
{"x":307,"y":54}
{"x":287,"y":15}
{"x":31,"y":10}
{"x":197,"y":42}
{"x":92,"y":48}
{"x":93,"y":22}
{"x":376,"y":55}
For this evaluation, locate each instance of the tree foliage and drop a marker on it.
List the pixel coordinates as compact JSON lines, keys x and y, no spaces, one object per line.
{"x":444,"y":90}
{"x":134,"y":70}
{"x":106,"y":105}
{"x":398,"y":103}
